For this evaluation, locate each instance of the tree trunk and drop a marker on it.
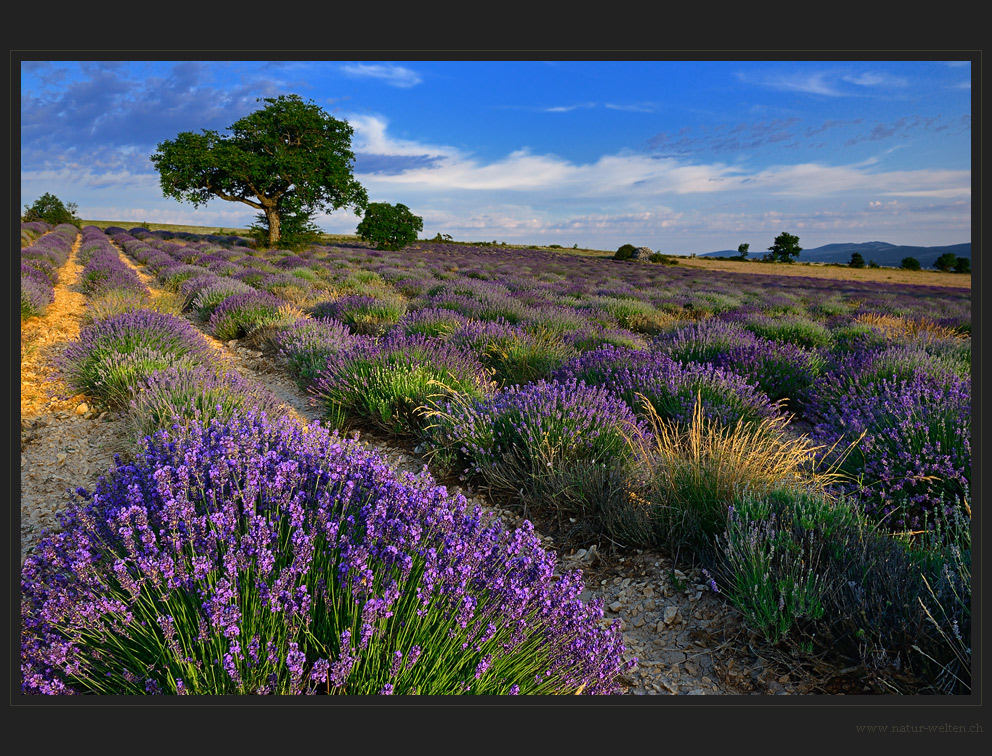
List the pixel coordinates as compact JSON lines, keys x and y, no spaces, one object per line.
{"x":272,"y":217}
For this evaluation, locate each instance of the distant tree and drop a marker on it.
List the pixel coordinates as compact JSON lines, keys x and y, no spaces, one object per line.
{"x":742,"y":250}
{"x":390,"y":227}
{"x":51,"y":209}
{"x":946,"y":261}
{"x":873,"y":264}
{"x":288,"y":157}
{"x":910,"y":263}
{"x":857,"y":261}
{"x":785,"y":248}
{"x":962,"y":265}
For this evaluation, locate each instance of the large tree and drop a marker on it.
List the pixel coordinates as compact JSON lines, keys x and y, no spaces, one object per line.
{"x":289,"y":154}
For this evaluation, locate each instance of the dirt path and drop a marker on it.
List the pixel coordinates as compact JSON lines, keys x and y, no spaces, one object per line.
{"x":66,"y":441}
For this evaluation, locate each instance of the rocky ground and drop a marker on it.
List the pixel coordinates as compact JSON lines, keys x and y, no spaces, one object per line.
{"x":687,"y":640}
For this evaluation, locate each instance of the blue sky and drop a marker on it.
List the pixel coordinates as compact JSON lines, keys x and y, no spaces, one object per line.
{"x":679,"y":156}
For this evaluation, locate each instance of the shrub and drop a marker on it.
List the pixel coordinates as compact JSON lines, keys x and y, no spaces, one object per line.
{"x":35,"y":297}
{"x":111,"y":357}
{"x":625,"y":252}
{"x":205,"y":295}
{"x":431,"y":321}
{"x":196,"y":393}
{"x":527,"y":436}
{"x":389,"y":381}
{"x":363,"y":314}
{"x":698,"y":471}
{"x":112,"y":302}
{"x":911,"y":453}
{"x":50,"y":209}
{"x":525,"y":356}
{"x":307,"y":343}
{"x":782,"y":370}
{"x":243,"y":314}
{"x":264,"y":558}
{"x":670,"y":387}
{"x":946,"y":261}
{"x":814,"y":574}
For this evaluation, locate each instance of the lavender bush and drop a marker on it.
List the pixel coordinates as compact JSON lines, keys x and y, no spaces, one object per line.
{"x":196,"y":393}
{"x":670,"y":387}
{"x":258,"y":557}
{"x":911,"y":454}
{"x":390,"y":380}
{"x":308,"y":342}
{"x":529,"y":437}
{"x":111,"y":356}
{"x":243,"y":314}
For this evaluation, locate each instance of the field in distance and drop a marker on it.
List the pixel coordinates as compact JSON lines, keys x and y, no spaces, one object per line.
{"x":797,"y":268}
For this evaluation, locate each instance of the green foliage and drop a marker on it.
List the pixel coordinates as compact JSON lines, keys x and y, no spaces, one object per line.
{"x":742,"y":250}
{"x":288,"y":159}
{"x":857,"y":261}
{"x":296,"y":229}
{"x":910,"y":263}
{"x":962,"y":265}
{"x":390,"y":227}
{"x":625,"y":252}
{"x":785,"y":247}
{"x":51,"y":209}
{"x":658,"y":257}
{"x":946,"y":261}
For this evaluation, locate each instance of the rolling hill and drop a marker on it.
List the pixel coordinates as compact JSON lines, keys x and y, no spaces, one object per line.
{"x":883,"y":253}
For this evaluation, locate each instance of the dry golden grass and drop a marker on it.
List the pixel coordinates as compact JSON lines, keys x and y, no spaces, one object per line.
{"x":818,"y":270}
{"x":698,"y":470}
{"x":893,"y":326}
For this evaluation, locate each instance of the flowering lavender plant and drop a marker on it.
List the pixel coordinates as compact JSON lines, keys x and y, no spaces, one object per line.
{"x":911,"y":453}
{"x":308,"y":342}
{"x":111,"y":356}
{"x":670,"y":387}
{"x":243,"y":314}
{"x":255,"y":557}
{"x":390,"y":380}
{"x":525,"y":434}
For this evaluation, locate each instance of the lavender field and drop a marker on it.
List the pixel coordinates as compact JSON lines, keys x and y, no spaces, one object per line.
{"x":806,"y":441}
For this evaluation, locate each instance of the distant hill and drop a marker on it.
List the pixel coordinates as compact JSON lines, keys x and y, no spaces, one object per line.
{"x":883,"y":253}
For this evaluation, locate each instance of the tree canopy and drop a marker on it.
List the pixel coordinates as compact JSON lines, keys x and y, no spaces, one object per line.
{"x":390,"y":227}
{"x":946,"y":261}
{"x":785,"y":248}
{"x":290,"y":156}
{"x":51,"y":209}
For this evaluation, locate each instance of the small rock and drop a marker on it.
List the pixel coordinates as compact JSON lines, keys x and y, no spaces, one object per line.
{"x":82,"y":409}
{"x":616,"y":606}
{"x":671,"y":615}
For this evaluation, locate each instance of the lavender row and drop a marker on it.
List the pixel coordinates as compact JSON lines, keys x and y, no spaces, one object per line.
{"x":41,"y":260}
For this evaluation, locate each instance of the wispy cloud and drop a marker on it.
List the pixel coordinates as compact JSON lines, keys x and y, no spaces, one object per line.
{"x":827,"y":83}
{"x":396,"y":76}
{"x":567,"y":108}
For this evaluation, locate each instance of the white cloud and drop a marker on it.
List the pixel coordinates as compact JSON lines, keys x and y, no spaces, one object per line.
{"x":396,"y":76}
